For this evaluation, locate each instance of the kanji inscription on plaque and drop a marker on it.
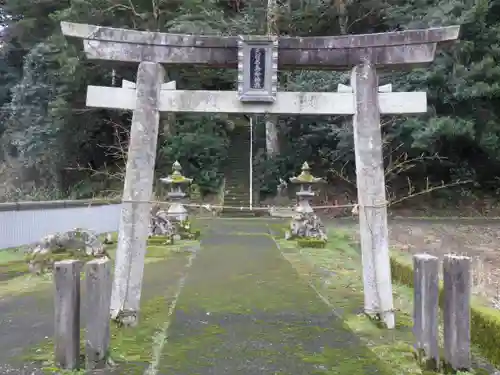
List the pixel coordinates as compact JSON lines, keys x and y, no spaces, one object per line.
{"x":257,"y":69}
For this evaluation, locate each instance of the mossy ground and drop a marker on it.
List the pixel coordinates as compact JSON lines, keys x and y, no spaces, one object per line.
{"x":16,"y":280}
{"x":245,"y":310}
{"x":12,"y":263}
{"x":132,"y":348}
{"x":337,"y":274}
{"x":14,"y":274}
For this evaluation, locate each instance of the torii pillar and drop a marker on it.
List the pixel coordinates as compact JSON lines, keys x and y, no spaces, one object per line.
{"x":370,"y":183}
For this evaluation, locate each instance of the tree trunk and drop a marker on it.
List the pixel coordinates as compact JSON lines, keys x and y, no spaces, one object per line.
{"x":272,"y":136}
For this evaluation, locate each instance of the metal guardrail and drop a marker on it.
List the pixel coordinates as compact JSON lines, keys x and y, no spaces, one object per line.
{"x":42,"y":205}
{"x":24,"y":223}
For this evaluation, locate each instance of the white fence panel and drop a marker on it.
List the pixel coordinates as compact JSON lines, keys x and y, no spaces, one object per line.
{"x":27,"y":226}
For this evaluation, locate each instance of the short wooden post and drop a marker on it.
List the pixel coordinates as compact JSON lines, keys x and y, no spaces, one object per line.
{"x":98,"y":285}
{"x":425,"y":308}
{"x":456,"y":311}
{"x":67,"y":313}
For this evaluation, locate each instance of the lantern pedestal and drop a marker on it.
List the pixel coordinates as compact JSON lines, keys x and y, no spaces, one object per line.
{"x":177,"y":213}
{"x":305,"y":223}
{"x":168,"y":223}
{"x":160,"y":225}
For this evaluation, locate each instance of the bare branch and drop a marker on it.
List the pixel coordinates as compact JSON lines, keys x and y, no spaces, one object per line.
{"x":117,"y":152}
{"x":341,"y":174}
{"x":366,"y":15}
{"x":428,"y":189}
{"x":399,"y":163}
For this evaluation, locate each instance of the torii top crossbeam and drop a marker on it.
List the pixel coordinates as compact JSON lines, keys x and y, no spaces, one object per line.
{"x":401,"y":49}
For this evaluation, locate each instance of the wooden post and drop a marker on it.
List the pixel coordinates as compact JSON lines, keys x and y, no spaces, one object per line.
{"x":371,"y":195}
{"x":425,"y":308}
{"x":456,"y":311}
{"x":67,"y":313}
{"x":98,"y":298}
{"x":138,"y":187}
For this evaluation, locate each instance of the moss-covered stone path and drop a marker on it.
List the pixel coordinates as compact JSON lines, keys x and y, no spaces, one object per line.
{"x":244,"y":310}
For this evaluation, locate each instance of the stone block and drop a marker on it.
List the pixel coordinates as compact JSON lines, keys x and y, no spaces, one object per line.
{"x":98,"y":297}
{"x":425,"y":308}
{"x":456,"y":311}
{"x":67,"y":313}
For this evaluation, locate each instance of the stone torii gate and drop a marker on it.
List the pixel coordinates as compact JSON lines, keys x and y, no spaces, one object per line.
{"x":257,"y":59}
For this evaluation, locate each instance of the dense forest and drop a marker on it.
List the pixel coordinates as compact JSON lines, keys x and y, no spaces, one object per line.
{"x":53,"y":146}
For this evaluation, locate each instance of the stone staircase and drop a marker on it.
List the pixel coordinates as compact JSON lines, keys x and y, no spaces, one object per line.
{"x":237,"y":174}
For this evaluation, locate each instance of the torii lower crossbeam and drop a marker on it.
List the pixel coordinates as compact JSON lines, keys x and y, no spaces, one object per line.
{"x":294,"y":103}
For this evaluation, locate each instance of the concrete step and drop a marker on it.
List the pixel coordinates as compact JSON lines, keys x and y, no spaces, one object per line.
{"x":236,"y":195}
{"x":239,"y":198}
{"x":237,"y":185}
{"x":237,"y":173}
{"x":232,"y":175}
{"x":282,"y":212}
{"x":237,"y":203}
{"x":229,"y":212}
{"x":240,"y":189}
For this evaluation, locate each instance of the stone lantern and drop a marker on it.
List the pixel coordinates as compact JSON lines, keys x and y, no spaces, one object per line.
{"x":178,"y":185}
{"x":305,"y":223}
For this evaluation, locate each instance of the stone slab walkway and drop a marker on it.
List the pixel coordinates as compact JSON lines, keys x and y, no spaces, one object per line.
{"x":244,"y":310}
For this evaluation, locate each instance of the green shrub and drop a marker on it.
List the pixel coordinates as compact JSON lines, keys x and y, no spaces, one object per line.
{"x":402,"y":273}
{"x":187,"y":236}
{"x":200,"y":145}
{"x":160,"y":240}
{"x":485,"y":321}
{"x":187,"y":232}
{"x":311,"y":243}
{"x":197,"y":234}
{"x":485,"y":332}
{"x":195,"y":193}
